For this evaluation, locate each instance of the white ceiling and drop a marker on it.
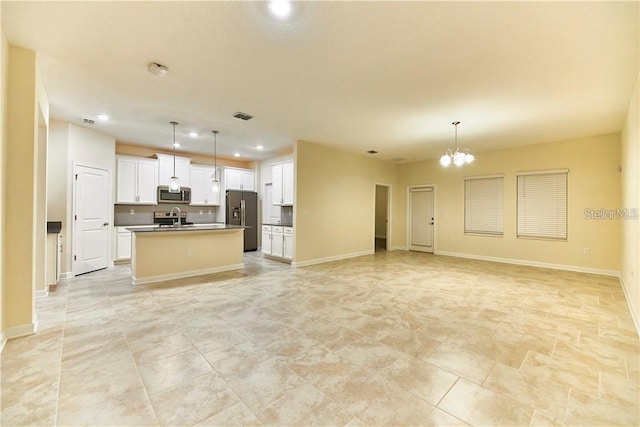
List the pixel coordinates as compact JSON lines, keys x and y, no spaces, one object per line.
{"x":389,"y":76}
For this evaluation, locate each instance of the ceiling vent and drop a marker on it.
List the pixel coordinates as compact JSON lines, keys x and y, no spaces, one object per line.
{"x":243,"y":116}
{"x":88,"y":121}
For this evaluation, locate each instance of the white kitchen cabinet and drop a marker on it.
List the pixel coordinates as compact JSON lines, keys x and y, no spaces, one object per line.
{"x":287,"y":184}
{"x":123,"y":244}
{"x":136,"y":180}
{"x":165,"y":169}
{"x":282,"y":182}
{"x":277,"y":241}
{"x":201,"y":192}
{"x":287,"y":242}
{"x":239,"y":179}
{"x":266,"y":239}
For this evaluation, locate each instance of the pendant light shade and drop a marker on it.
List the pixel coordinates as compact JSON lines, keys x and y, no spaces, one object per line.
{"x":215,"y":184}
{"x":456,"y":156}
{"x":174,"y":184}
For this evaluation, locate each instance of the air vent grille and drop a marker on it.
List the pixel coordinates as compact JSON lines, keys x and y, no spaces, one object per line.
{"x":88,"y":121}
{"x":243,"y":116}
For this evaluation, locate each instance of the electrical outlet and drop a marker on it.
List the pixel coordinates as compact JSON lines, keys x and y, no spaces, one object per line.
{"x":188,"y":252}
{"x":201,"y":211}
{"x":132,"y":212}
{"x":587,"y":251}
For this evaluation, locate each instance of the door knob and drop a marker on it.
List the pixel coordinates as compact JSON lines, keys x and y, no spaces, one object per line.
{"x":105,"y":224}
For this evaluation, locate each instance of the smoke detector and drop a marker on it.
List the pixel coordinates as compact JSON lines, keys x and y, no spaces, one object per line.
{"x":158,"y":69}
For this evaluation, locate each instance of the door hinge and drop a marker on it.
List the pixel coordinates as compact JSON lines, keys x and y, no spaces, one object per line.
{"x":75,"y":217}
{"x":76,"y":177}
{"x":75,"y":258}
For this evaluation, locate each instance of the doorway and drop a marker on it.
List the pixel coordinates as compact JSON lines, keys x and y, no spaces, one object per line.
{"x":421,"y":219}
{"x":91,"y":201}
{"x":382,"y":208}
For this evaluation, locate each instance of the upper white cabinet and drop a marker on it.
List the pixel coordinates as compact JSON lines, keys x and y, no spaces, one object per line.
{"x":165,"y":169}
{"x":201,"y":192}
{"x":239,"y":179}
{"x":282,"y":183}
{"x":136,"y":180}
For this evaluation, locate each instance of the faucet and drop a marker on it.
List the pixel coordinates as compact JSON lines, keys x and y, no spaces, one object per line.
{"x":171,"y":214}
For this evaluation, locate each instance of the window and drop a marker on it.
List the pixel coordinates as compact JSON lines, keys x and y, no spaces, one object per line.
{"x":542,"y":205}
{"x":484,"y":205}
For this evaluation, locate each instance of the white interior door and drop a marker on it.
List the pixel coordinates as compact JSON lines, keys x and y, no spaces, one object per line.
{"x":422,"y":220}
{"x":91,"y":219}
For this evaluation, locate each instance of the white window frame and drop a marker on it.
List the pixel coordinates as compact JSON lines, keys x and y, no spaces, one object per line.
{"x":484,"y":205}
{"x":542,"y":199}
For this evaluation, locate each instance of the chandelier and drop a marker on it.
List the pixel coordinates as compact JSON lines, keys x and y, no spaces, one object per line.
{"x":457,"y":157}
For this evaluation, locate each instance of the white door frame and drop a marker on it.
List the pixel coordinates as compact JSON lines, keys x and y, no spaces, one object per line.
{"x":435,"y":217}
{"x":73,"y":209}
{"x":388,"y":225}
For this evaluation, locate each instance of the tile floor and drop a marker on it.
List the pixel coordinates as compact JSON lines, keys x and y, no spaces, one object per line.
{"x":394,"y":338}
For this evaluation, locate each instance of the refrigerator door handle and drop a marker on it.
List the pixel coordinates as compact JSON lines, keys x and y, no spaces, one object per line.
{"x":242,"y":212}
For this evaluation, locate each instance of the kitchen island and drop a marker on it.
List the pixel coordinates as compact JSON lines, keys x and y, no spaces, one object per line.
{"x":167,"y":253}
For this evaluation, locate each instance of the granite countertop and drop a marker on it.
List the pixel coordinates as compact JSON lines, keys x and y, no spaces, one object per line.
{"x":195,"y":227}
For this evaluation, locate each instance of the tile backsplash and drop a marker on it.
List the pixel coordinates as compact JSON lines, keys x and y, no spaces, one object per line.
{"x":143,"y":215}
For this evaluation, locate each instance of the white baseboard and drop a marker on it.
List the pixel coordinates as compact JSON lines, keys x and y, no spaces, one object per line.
{"x":577,"y":268}
{"x":182,"y":275}
{"x":3,"y":341}
{"x":66,"y":275}
{"x":42,"y":293}
{"x":634,"y":315}
{"x":330,"y":259}
{"x":19,"y":331}
{"x":399,"y":248}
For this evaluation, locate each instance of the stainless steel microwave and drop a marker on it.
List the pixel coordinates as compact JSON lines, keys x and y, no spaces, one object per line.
{"x":182,"y":196}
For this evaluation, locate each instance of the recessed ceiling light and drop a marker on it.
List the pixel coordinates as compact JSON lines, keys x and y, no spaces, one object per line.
{"x":103,"y":117}
{"x":193,"y":134}
{"x":259,"y":147}
{"x":236,"y":154}
{"x":281,"y":9}
{"x":158,"y":69}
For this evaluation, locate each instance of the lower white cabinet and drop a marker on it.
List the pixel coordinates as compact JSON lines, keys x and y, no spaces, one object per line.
{"x":277,"y":245}
{"x":277,"y":241}
{"x":287,"y":242}
{"x":123,"y":244}
{"x":266,"y":239}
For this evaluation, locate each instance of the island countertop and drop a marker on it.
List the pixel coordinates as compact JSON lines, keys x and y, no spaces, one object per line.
{"x":194,"y":227}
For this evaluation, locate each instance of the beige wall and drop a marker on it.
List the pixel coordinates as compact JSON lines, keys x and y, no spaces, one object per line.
{"x":21,"y":195}
{"x":4,"y":73}
{"x":630,"y":268}
{"x":594,"y":182}
{"x":141,"y":151}
{"x":335,"y":202}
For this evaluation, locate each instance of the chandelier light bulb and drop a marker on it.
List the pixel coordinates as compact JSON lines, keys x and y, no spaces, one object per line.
{"x":456,"y":156}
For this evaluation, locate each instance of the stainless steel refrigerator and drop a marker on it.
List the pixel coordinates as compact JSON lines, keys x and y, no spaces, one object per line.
{"x":242,"y":209}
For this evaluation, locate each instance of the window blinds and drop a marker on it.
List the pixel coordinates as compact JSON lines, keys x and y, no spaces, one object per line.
{"x":542,"y":205}
{"x":484,"y":205}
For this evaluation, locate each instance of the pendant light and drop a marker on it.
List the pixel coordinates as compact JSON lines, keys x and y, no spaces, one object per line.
{"x":456,"y":156}
{"x":174,"y":184}
{"x":215,"y":184}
